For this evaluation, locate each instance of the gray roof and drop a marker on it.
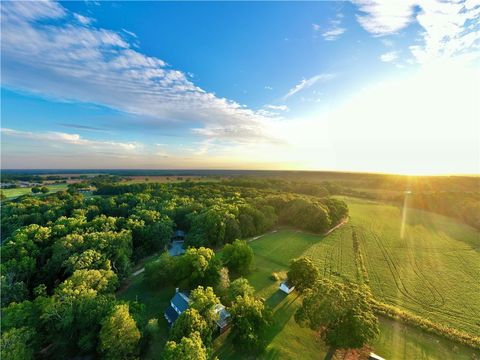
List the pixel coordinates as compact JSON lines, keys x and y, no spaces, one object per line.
{"x":223,"y":315}
{"x":179,"y":233}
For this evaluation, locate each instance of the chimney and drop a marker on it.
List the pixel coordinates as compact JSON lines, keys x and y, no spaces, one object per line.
{"x":176,"y":290}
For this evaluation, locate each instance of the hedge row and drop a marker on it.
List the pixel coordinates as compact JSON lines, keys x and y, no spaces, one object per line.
{"x":427,"y":325}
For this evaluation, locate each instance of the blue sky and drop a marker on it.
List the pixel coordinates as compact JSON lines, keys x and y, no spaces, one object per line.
{"x":364,"y":86}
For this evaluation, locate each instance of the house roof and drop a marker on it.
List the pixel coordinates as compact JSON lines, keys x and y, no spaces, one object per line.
{"x":287,"y":284}
{"x":171,"y":314}
{"x":179,"y":233}
{"x":180,"y":300}
{"x":223,"y":315}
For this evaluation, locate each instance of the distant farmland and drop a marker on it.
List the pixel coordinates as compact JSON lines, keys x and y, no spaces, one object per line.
{"x":16,"y":192}
{"x":433,"y":271}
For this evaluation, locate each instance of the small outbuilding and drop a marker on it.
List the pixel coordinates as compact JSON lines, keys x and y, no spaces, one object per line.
{"x":223,"y":322}
{"x":286,"y":287}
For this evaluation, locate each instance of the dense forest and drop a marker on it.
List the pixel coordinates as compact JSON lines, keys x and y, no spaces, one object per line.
{"x":457,"y":197}
{"x":64,"y":255}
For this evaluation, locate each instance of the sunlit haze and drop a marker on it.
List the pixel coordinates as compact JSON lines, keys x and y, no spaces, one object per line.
{"x":351,"y":86}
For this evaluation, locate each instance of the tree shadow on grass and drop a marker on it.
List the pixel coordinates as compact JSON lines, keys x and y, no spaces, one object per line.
{"x":276,"y":298}
{"x":282,"y":306}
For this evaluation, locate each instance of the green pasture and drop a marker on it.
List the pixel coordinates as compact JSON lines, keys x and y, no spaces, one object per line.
{"x":16,"y":192}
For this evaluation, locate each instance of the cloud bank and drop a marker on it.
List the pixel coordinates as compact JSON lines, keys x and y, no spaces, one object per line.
{"x":449,"y":28}
{"x":50,"y":51}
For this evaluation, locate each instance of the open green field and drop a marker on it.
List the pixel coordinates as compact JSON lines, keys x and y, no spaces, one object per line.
{"x":431,"y":271}
{"x":288,"y":340}
{"x":13,"y":193}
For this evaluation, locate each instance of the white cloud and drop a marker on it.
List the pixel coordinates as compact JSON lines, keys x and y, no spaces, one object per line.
{"x":56,"y":138}
{"x":306,"y":83}
{"x":450,"y":29}
{"x":333,"y":31}
{"x":277,"y":107}
{"x":132,"y":34}
{"x":84,"y":20}
{"x":389,"y":56}
{"x":68,"y":61}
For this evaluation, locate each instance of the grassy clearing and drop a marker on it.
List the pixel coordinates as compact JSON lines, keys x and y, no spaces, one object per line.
{"x":13,"y":193}
{"x":155,"y":301}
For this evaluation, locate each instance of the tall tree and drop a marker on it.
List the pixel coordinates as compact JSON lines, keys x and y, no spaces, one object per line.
{"x":238,"y":256}
{"x":119,"y":336}
{"x":188,"y":348}
{"x":342,"y":313}
{"x":238,"y":287}
{"x":250,"y":320}
{"x":302,"y":274}
{"x":15,"y":344}
{"x":189,"y":322}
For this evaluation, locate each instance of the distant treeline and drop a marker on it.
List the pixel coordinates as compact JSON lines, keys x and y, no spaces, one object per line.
{"x":30,"y":178}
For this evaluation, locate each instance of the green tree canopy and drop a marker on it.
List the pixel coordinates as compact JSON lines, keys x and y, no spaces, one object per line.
{"x":189,"y":322}
{"x":341,"y":312}
{"x":238,"y":256}
{"x":188,"y":348}
{"x":119,"y":335}
{"x":250,"y":320}
{"x":15,"y":344}
{"x":302,"y":274}
{"x":203,"y":300}
{"x":238,"y":287}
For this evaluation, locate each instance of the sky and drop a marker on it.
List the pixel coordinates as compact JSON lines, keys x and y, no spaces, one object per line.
{"x":368,"y":85}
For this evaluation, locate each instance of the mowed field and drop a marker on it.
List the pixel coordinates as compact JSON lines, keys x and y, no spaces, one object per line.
{"x":13,"y":193}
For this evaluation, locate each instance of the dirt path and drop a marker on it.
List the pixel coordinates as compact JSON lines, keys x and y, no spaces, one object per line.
{"x":259,"y":236}
{"x":343,"y":222}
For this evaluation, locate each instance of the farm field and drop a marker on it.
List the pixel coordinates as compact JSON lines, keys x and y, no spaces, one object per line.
{"x":335,"y":256}
{"x":287,"y":339}
{"x":13,"y":193}
{"x":432,"y":271}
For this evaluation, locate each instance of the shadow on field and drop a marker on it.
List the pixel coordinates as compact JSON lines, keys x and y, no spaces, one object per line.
{"x":275,"y":299}
{"x":281,"y":305}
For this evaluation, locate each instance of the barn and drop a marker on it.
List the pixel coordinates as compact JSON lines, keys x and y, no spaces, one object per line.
{"x":286,"y":287}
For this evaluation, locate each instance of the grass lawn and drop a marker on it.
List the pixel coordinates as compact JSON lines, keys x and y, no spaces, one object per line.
{"x":419,"y":272}
{"x":13,"y":193}
{"x":155,"y":301}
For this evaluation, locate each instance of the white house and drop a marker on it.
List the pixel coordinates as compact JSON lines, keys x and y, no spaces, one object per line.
{"x":286,"y":287}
